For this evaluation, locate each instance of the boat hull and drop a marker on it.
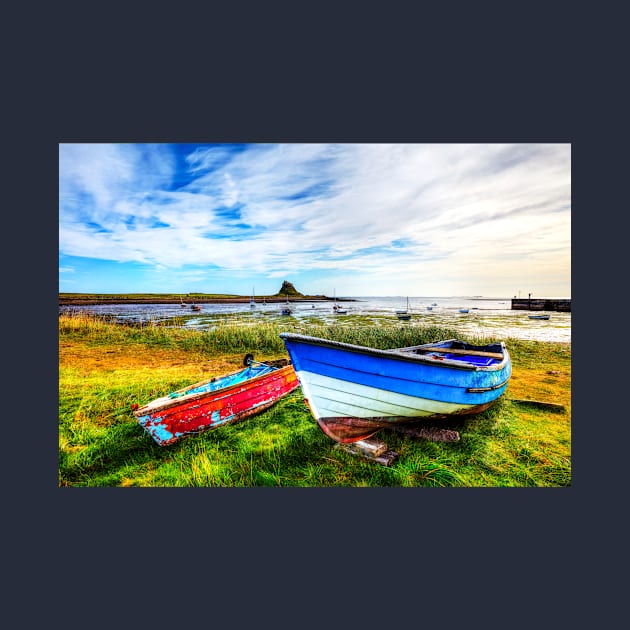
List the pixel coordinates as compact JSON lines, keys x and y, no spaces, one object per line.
{"x":193,"y":410}
{"x":353,"y":392}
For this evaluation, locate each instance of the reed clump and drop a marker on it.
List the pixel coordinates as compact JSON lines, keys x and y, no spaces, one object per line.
{"x":234,"y":337}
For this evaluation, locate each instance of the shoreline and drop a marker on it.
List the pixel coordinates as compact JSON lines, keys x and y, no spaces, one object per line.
{"x":197,"y":300}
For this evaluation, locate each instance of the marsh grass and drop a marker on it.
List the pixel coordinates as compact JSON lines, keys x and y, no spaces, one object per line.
{"x":104,"y":368}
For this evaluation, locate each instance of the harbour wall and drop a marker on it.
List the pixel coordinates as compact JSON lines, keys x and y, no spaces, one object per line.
{"x":541,"y":304}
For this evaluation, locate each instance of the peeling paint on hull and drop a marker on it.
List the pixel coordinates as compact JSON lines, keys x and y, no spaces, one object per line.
{"x":182,"y":413}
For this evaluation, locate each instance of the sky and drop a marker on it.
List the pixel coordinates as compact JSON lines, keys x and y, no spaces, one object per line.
{"x":347,"y":219}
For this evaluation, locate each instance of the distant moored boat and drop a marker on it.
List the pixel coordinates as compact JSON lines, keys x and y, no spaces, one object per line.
{"x":404,"y":313}
{"x":336,"y":308}
{"x":286,"y":309}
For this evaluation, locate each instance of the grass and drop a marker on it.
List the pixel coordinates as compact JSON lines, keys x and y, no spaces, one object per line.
{"x":117,"y":298}
{"x":130,"y":297}
{"x":104,"y":368}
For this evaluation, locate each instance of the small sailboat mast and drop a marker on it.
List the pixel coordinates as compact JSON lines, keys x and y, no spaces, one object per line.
{"x":336,"y":308}
{"x":404,"y":314}
{"x":405,"y":310}
{"x":286,"y":310}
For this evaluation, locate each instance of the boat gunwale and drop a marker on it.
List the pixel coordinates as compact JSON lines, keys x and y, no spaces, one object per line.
{"x":405,"y":354}
{"x":167,"y":403}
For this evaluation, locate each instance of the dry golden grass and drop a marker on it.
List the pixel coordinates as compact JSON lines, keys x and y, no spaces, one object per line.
{"x":540,"y":383}
{"x":134,"y":357}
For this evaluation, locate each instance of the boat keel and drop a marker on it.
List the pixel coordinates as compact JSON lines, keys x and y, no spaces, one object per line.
{"x":349,"y":430}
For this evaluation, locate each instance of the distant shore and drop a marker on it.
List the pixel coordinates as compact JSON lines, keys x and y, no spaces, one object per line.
{"x":100,"y":299}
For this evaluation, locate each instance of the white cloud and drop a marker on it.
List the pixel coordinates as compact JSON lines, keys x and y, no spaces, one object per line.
{"x":462,"y":210}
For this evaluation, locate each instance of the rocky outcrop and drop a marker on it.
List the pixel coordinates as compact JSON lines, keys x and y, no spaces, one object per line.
{"x":287,"y":288}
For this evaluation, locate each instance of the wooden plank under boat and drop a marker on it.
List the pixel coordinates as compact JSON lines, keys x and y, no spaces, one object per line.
{"x":217,"y":401}
{"x":355,"y":391}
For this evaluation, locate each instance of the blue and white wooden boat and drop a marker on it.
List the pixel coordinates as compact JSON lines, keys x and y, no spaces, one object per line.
{"x":539,"y":316}
{"x":354,"y":391}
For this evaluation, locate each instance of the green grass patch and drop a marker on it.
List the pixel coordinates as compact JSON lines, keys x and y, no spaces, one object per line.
{"x":105,"y":367}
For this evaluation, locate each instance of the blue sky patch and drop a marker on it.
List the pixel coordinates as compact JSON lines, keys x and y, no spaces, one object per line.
{"x":223,"y":217}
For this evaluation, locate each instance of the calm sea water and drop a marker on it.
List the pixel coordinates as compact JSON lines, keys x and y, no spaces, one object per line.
{"x":487,"y":317}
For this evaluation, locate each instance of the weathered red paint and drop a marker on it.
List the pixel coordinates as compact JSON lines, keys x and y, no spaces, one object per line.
{"x":223,"y":406}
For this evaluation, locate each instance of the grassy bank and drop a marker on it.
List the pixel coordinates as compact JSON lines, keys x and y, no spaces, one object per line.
{"x":104,"y":368}
{"x":173,"y":298}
